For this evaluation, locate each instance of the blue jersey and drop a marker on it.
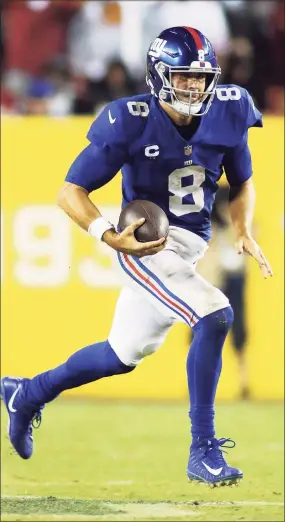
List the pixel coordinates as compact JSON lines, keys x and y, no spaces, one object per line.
{"x":137,"y":136}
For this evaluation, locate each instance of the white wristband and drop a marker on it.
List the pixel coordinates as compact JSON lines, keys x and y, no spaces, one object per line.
{"x":98,"y":227}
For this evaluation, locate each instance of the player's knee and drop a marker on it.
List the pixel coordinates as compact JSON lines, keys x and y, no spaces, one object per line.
{"x":124,"y":368}
{"x":222,"y":320}
{"x":133,"y":354}
{"x":122,"y":364}
{"x":218,"y":322}
{"x":226,"y":317}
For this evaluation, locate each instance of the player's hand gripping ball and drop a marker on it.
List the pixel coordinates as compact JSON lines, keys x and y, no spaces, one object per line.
{"x":155,"y":226}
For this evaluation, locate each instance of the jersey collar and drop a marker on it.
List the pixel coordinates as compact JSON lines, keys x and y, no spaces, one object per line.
{"x":167,"y":123}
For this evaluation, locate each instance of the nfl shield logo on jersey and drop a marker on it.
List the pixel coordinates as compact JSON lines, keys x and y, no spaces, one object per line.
{"x":188,"y":150}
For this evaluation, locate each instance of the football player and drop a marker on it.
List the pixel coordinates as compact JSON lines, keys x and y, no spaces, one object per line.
{"x":172,"y":146}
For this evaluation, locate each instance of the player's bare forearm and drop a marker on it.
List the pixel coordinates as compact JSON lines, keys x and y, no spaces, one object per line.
{"x":241,"y":206}
{"x":76,"y":204}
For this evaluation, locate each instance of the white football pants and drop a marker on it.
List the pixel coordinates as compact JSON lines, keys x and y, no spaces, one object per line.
{"x":160,"y":290}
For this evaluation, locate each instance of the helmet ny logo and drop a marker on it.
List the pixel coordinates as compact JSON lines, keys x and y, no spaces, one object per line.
{"x":157,"y":47}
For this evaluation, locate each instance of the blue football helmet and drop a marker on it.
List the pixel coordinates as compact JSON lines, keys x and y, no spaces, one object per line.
{"x":182,"y":50}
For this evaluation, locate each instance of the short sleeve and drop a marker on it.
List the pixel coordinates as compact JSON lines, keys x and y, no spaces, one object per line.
{"x":100,"y":161}
{"x":94,"y":167}
{"x":237,"y":163}
{"x":109,"y":128}
{"x":253,"y":116}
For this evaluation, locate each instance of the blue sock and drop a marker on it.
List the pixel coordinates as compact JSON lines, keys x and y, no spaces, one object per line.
{"x":204,"y":364}
{"x":86,"y":365}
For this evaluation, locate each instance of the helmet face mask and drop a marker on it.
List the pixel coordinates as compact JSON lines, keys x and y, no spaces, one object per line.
{"x":173,"y":96}
{"x":189,"y":59}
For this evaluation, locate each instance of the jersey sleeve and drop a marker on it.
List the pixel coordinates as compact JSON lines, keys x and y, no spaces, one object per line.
{"x":237,"y":163}
{"x":109,"y":128}
{"x":253,"y":116}
{"x":100,"y":161}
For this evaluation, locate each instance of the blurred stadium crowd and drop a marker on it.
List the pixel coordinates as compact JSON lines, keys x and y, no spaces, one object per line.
{"x":62,"y":57}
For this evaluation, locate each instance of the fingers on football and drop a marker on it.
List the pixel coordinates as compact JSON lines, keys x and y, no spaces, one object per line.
{"x":150,"y":251}
{"x":131,"y":228}
{"x":151,"y":247}
{"x":153,"y":244}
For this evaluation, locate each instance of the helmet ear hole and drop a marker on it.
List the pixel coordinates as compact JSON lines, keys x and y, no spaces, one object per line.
{"x":150,"y":72}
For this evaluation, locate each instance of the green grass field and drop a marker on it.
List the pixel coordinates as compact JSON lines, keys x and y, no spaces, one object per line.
{"x":126,"y":461}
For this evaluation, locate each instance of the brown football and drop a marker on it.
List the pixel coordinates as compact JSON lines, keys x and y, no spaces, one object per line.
{"x":155,"y":226}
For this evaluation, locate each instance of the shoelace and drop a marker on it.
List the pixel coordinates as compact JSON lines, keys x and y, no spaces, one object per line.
{"x":214,"y":451}
{"x":37,"y":418}
{"x":222,"y":443}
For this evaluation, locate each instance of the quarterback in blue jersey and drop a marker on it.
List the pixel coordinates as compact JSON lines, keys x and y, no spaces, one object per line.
{"x":172,"y":146}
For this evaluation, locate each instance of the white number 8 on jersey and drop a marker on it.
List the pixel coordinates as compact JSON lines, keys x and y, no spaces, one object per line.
{"x":228,"y":93}
{"x":138,"y":108}
{"x":176,"y":204}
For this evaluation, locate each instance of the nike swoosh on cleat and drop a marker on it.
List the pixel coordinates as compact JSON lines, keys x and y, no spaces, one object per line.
{"x":213,"y":471}
{"x":112,"y":120}
{"x":12,"y":398}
